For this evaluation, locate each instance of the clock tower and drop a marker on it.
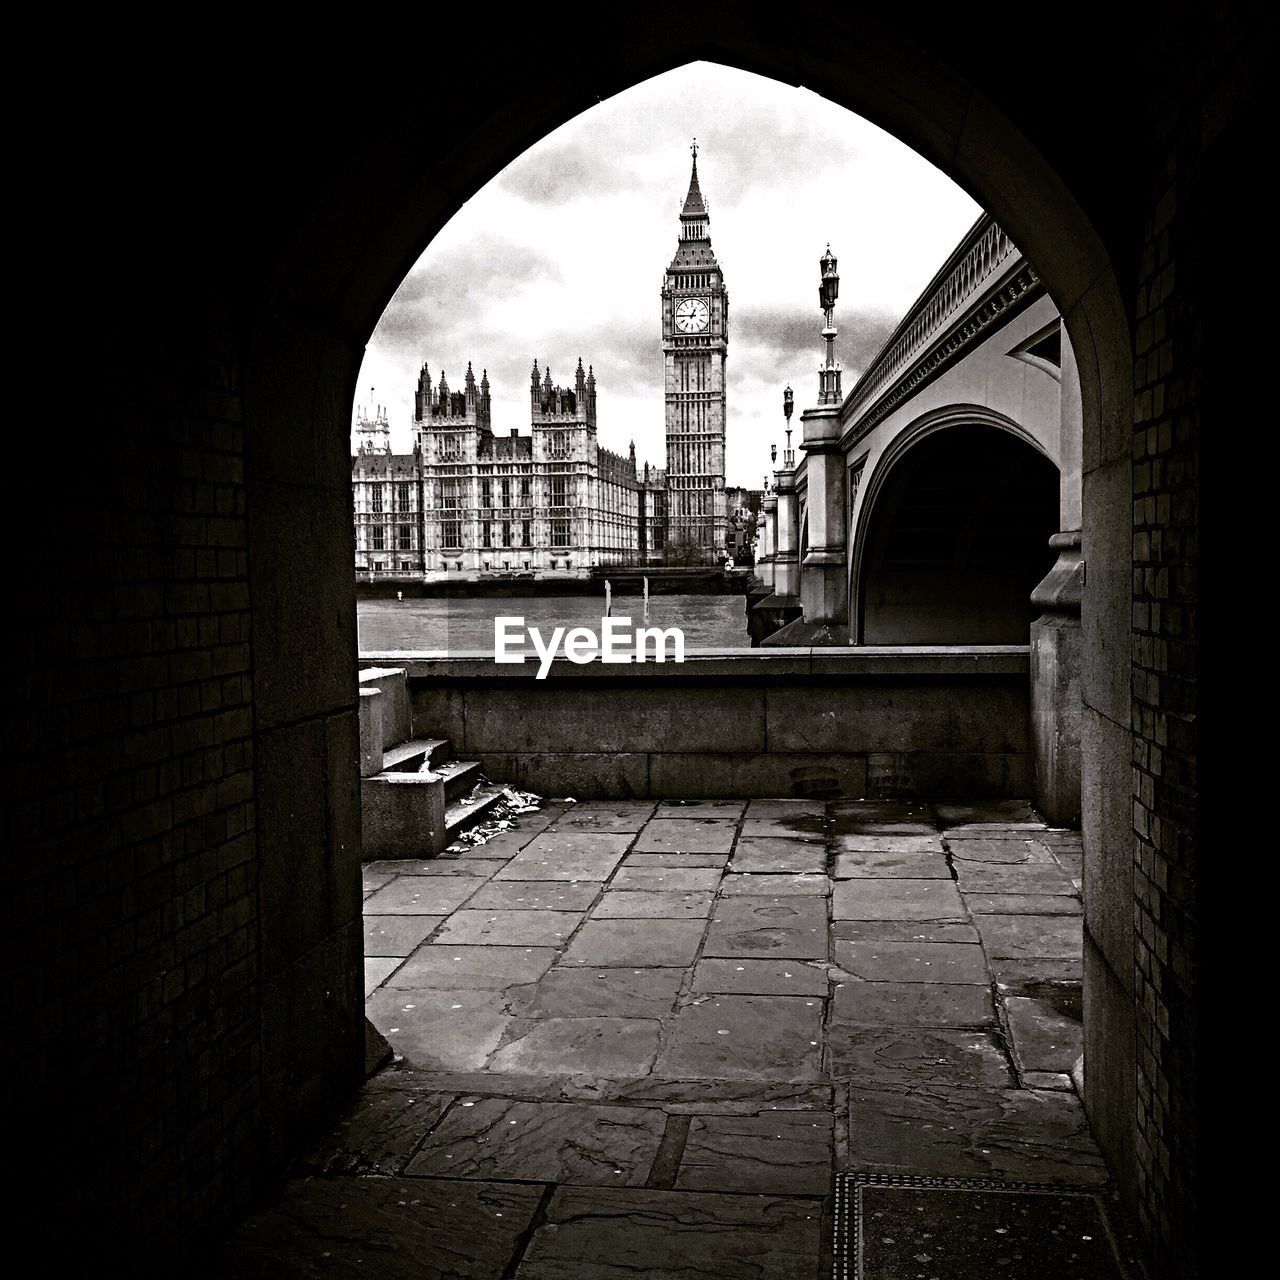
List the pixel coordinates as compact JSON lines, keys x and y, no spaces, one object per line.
{"x":695,"y":341}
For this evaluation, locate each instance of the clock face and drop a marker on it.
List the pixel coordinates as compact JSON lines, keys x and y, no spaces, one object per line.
{"x":692,"y":315}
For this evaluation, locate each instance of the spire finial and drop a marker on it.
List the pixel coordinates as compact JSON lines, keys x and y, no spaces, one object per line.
{"x":694,"y":149}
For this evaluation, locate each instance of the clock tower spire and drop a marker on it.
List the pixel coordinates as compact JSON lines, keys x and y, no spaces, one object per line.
{"x":695,"y":339}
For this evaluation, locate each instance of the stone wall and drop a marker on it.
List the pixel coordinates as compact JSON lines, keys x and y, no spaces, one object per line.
{"x":861,"y":722}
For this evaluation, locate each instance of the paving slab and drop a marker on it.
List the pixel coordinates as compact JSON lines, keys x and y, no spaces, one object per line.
{"x":984,"y":812}
{"x":510,"y":928}
{"x":726,"y":1097}
{"x":1032,"y":937}
{"x":535,"y":895}
{"x":664,"y":879}
{"x":1045,"y":1036}
{"x":644,"y":904}
{"x":648,"y":859}
{"x":377,"y":969}
{"x":745,"y":1037}
{"x":636,"y":942}
{"x":903,"y":817}
{"x":1016,"y":976}
{"x":1022,"y":904}
{"x":453,"y":966}
{"x":756,"y":885}
{"x":779,"y":1153}
{"x":904,"y":931}
{"x":903,"y":1004}
{"x":608,"y":1234}
{"x":882,"y":864}
{"x":931,"y":1130}
{"x":377,"y":1134}
{"x":501,"y":845}
{"x":918,"y":1055}
{"x":397,"y":935}
{"x":760,"y":978}
{"x":415,"y":1229}
{"x":440,"y":1030}
{"x":776,"y":855}
{"x":789,"y":827}
{"x":607,"y":815}
{"x":994,"y":877}
{"x":567,"y":855}
{"x":879,"y":842}
{"x":1005,"y":852}
{"x":579,"y":1046}
{"x":607,"y":993}
{"x":421,"y":896}
{"x":371,"y":881}
{"x":780,"y":806}
{"x":687,"y":835}
{"x":566,"y":1142}
{"x":448,"y":865}
{"x":725,"y":810}
{"x":1047,"y":1080}
{"x":912,"y":961}
{"x":794,"y":927}
{"x":897,"y":900}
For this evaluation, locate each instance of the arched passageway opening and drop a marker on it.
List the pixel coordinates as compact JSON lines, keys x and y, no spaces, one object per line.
{"x":252,"y":381}
{"x":957,"y":539}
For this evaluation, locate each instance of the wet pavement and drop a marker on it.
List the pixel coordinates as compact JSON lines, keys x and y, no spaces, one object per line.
{"x":642,"y":1038}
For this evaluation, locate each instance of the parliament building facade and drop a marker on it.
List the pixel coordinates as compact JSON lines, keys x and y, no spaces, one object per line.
{"x":469,"y":500}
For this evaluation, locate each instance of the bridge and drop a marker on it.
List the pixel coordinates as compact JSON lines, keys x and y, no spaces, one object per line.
{"x":939,"y":503}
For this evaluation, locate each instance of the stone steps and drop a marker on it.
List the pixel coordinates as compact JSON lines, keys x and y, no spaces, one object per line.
{"x":459,"y":777}
{"x":468,"y":810}
{"x":415,"y":798}
{"x":415,"y":755}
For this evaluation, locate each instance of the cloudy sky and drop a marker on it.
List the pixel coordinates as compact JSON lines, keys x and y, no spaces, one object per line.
{"x":562,"y":255}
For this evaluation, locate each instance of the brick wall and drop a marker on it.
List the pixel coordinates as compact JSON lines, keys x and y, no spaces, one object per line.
{"x":1198,"y":195}
{"x":131,"y":905}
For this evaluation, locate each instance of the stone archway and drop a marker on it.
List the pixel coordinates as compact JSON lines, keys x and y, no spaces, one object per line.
{"x":359,"y":241}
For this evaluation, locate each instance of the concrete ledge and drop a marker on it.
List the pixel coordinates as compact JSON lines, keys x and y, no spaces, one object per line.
{"x":739,"y":664}
{"x":885,"y":721}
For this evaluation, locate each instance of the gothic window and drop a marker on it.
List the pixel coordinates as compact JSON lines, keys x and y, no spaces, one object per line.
{"x":451,"y":533}
{"x":486,"y":492}
{"x":379,"y":535}
{"x":406,"y":537}
{"x":526,"y":491}
{"x":484,"y":535}
{"x":526,"y":539}
{"x":506,"y":533}
{"x":506,"y":491}
{"x":375,"y":497}
{"x":558,"y":492}
{"x":559,"y":533}
{"x":402,"y":496}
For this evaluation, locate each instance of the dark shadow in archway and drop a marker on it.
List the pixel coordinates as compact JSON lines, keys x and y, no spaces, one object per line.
{"x":959,"y":537}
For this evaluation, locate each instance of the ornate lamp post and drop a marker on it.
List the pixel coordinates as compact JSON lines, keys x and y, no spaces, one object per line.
{"x":828,"y":292}
{"x":788,"y":405}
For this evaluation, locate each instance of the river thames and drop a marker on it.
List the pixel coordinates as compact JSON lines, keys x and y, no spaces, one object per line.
{"x":466,"y":625}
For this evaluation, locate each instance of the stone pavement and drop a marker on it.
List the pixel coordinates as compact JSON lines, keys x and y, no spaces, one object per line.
{"x":641,"y":1037}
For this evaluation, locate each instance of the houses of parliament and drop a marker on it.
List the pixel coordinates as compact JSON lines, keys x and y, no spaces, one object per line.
{"x":468,"y":499}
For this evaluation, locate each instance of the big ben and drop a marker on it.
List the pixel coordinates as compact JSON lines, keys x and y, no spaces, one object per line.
{"x":695,"y":344}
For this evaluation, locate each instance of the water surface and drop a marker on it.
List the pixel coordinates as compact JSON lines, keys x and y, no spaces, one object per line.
{"x":457,"y":625}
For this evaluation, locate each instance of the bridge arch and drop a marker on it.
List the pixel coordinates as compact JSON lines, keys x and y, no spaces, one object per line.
{"x":953,"y":533}
{"x":877,"y":471}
